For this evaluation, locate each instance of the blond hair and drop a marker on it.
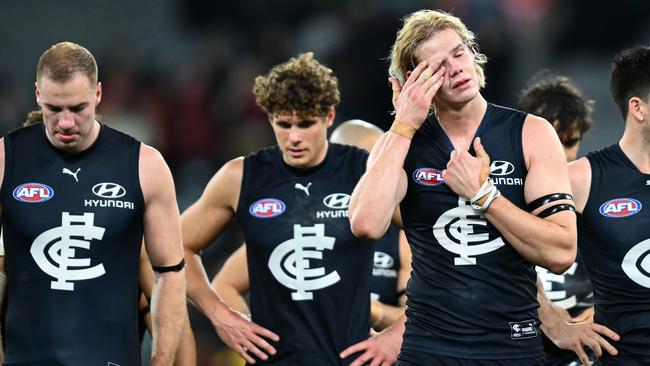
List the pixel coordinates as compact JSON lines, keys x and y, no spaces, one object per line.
{"x":61,"y":61}
{"x":417,"y":28}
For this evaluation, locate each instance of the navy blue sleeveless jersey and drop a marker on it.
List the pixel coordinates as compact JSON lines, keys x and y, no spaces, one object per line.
{"x":309,"y":276}
{"x":72,"y":226}
{"x":471,"y":295}
{"x":386,"y":267}
{"x":614,"y":240}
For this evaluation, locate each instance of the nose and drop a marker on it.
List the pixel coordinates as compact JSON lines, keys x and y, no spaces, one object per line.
{"x":295,"y":135}
{"x":454,"y":67}
{"x":66,"y":121}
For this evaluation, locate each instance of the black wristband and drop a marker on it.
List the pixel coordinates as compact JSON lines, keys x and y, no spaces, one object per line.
{"x":176,"y":268}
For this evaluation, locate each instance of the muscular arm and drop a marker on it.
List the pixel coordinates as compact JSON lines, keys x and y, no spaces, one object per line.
{"x":548,"y":242}
{"x":202,"y":222}
{"x":231,"y":283}
{"x":384,"y":177}
{"x":370,"y":217}
{"x":186,"y":352}
{"x":162,"y":235}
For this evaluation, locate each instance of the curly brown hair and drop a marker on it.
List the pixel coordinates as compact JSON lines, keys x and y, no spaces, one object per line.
{"x":557,"y":99}
{"x":301,"y":85}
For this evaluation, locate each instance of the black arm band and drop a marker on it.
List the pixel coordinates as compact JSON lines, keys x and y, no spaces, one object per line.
{"x":401,"y":292}
{"x":545,"y":200}
{"x":176,"y":268}
{"x":145,"y":310}
{"x":555,"y":209}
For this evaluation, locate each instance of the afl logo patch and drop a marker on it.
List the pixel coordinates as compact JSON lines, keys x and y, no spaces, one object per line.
{"x":267,"y":208}
{"x":33,"y":192}
{"x":428,"y":177}
{"x":620,"y":207}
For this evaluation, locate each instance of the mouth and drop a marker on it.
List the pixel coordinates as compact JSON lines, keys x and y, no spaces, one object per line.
{"x":66,"y":136}
{"x":296,"y":153}
{"x":460,"y":84}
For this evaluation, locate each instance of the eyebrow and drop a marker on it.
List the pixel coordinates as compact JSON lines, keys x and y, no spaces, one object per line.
{"x":76,"y":106}
{"x":458,"y":47}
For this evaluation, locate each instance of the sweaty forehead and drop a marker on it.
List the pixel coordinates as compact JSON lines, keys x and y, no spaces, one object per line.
{"x":439,"y":45}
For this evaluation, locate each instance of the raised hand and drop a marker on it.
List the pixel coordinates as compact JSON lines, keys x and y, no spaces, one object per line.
{"x":412,"y":101}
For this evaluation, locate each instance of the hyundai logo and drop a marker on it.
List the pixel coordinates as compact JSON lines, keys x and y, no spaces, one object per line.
{"x":383,"y":260}
{"x":501,"y":167}
{"x":109,"y":190}
{"x":337,"y":201}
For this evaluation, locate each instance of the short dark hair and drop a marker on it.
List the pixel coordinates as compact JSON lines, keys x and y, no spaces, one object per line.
{"x":557,"y":99}
{"x":630,"y":76}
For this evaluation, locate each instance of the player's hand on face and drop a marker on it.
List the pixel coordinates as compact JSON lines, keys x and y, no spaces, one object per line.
{"x":466,"y":173}
{"x":381,"y":349}
{"x":412,"y":101}
{"x":243,"y":336}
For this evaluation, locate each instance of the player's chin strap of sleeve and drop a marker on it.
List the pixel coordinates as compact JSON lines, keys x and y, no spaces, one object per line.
{"x":485,"y":195}
{"x":174,"y":268}
{"x":552,"y":210}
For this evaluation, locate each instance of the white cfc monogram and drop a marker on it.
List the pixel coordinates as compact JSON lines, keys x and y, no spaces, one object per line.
{"x":455,"y":231}
{"x":62,"y":242}
{"x":290,"y":262}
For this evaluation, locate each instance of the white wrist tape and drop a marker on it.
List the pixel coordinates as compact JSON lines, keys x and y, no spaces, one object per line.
{"x":487,"y":189}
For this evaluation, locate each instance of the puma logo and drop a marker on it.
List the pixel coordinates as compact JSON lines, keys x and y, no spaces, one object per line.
{"x":303,"y":188}
{"x":69,"y":172}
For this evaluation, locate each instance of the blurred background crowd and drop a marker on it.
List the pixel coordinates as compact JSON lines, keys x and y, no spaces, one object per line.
{"x":178,"y":74}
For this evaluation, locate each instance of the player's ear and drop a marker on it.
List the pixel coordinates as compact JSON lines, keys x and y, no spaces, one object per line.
{"x":329,"y":117}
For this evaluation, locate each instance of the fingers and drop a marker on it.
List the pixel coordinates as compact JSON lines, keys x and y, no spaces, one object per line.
{"x":582,"y":355}
{"x":357,"y":347}
{"x":415,"y":74}
{"x":433,"y":84}
{"x":603,"y":330}
{"x":602,"y":342}
{"x":241,"y":350}
{"x":396,"y":87}
{"x":265,"y":333}
{"x":594,"y":345}
{"x":251,"y":347}
{"x":481,"y":153}
{"x":258,"y":341}
{"x":361,"y":360}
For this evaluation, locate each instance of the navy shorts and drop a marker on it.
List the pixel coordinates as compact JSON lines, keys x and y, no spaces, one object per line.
{"x":625,"y":359}
{"x":411,"y":358}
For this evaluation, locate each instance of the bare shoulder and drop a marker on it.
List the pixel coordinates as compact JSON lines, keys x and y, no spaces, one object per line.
{"x":153,"y":171}
{"x":580,"y":177}
{"x":540,"y":140}
{"x":537,"y":130}
{"x":224,"y":187}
